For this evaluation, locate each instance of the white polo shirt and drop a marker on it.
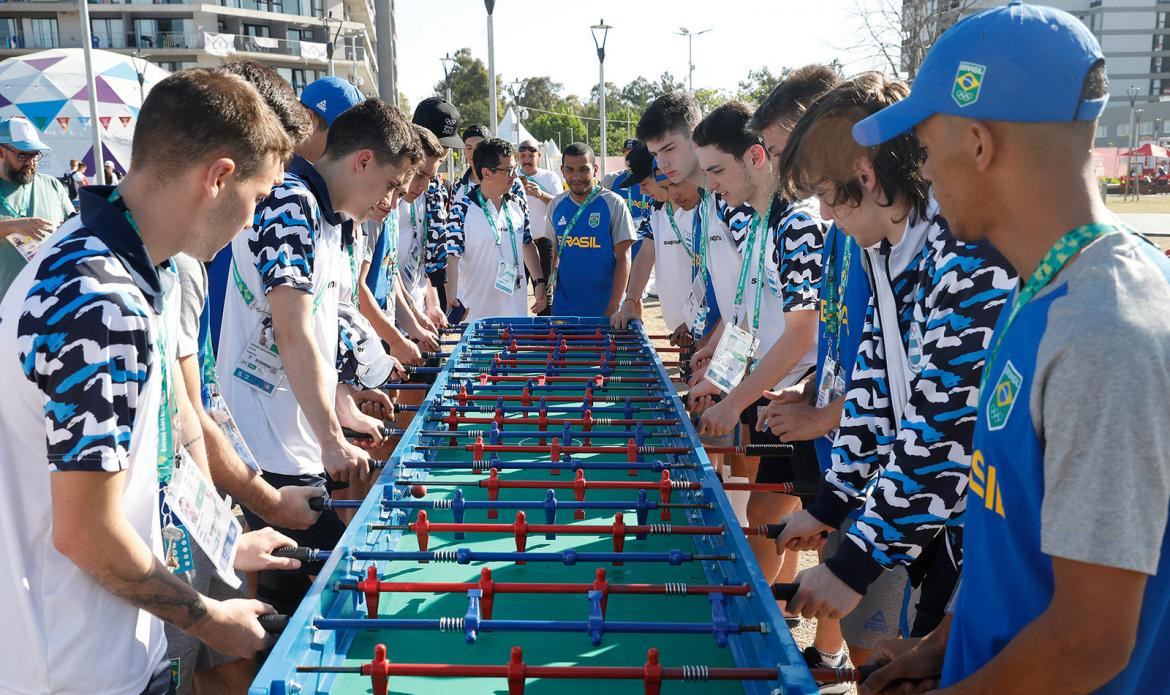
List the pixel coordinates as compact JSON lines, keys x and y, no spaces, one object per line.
{"x":412,"y":241}
{"x":471,"y":239}
{"x":550,"y":182}
{"x":723,"y":259}
{"x":79,"y":334}
{"x":672,"y":258}
{"x":296,"y":242}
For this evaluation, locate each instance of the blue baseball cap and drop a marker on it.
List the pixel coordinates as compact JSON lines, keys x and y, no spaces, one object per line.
{"x":1018,"y":63}
{"x":19,"y":133}
{"x":329,"y":97}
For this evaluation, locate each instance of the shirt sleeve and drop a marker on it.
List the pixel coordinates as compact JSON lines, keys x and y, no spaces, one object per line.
{"x":621,"y":226}
{"x":521,"y":198}
{"x":192,"y":297}
{"x":920,"y":480}
{"x":645,"y":229}
{"x":435,"y":214}
{"x":371,"y":234}
{"x":798,"y":255}
{"x":283,"y":243}
{"x":1099,"y":404}
{"x":91,"y":363}
{"x":455,"y":227}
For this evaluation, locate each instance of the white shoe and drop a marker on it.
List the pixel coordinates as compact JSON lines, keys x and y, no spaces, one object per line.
{"x":651,"y":289}
{"x":813,"y":658}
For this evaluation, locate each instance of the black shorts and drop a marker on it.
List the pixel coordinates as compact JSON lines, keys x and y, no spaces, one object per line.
{"x":801,"y":467}
{"x":284,"y":589}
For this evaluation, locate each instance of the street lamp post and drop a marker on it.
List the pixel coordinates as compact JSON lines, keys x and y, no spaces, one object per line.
{"x":1133,"y":95}
{"x":331,"y":39}
{"x":495,"y":116}
{"x":600,"y":34}
{"x":140,"y":68}
{"x":95,"y":120}
{"x":448,"y":62}
{"x":683,"y":31}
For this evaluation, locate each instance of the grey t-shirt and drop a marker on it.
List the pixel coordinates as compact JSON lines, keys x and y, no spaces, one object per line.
{"x":1098,"y":403}
{"x":193,"y":283}
{"x":42,"y":197}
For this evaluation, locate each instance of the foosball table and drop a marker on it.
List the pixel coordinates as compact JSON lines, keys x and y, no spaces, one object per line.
{"x":548,"y":523}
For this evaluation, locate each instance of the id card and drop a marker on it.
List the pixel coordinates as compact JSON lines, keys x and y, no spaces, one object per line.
{"x":506,"y":277}
{"x":692,"y":310}
{"x":207,"y":518}
{"x":223,"y":417}
{"x":831,"y":388}
{"x":731,"y":358}
{"x":260,"y":366}
{"x":27,"y":246}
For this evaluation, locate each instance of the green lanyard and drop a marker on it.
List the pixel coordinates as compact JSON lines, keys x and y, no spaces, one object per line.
{"x":496,"y":228}
{"x":419,"y":241}
{"x":353,"y":273}
{"x":696,"y":260}
{"x":390,"y":260}
{"x":744,"y":269}
{"x":835,"y":288}
{"x":552,"y":283}
{"x":166,"y":410}
{"x":1053,"y":262}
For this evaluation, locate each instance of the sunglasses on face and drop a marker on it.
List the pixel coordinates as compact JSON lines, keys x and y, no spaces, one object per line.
{"x":510,"y":171}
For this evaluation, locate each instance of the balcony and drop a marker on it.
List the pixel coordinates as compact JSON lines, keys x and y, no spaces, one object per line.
{"x":159,"y":40}
{"x":309,"y":50}
{"x":19,"y":42}
{"x":303,"y":8}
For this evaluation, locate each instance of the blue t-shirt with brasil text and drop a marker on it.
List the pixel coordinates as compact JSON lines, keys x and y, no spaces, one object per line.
{"x":587,"y":261}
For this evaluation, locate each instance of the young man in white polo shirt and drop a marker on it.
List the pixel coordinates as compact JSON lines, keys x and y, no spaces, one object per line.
{"x":88,"y":335}
{"x":284,"y":291}
{"x":419,"y":222}
{"x":489,"y":243}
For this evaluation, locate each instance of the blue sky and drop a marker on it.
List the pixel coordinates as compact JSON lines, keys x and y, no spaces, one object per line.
{"x":552,"y":37}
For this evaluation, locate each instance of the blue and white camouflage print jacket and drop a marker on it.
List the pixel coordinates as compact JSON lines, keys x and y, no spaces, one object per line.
{"x":438,"y":204}
{"x":910,"y":478}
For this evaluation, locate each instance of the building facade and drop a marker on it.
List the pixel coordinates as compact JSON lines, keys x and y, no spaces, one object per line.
{"x":1135,"y":37}
{"x":291,"y":36}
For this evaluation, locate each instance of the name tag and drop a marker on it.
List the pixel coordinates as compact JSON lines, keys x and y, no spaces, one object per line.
{"x":207,"y":518}
{"x":27,"y":246}
{"x":227,"y":424}
{"x":693,"y":312}
{"x":506,"y":277}
{"x":260,"y":366}
{"x":731,"y":359}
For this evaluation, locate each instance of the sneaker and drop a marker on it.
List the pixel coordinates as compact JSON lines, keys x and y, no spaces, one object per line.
{"x":812,"y":657}
{"x":651,"y":288}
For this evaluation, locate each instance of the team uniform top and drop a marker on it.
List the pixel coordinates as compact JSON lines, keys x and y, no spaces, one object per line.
{"x":81,"y":329}
{"x":586,"y":258}
{"x":1072,"y":455}
{"x":838,"y":342}
{"x":676,"y":260}
{"x":724,"y":226}
{"x":295,"y":242}
{"x":381,"y":252}
{"x":437,"y":203}
{"x":550,"y":182}
{"x":415,"y":228}
{"x":947,"y":296}
{"x":792,"y":241}
{"x":471,"y":239}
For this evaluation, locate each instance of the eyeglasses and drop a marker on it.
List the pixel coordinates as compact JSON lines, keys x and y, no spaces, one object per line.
{"x":24,"y":156}
{"x":510,"y":171}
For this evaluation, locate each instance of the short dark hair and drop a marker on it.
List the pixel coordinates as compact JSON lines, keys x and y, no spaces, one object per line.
{"x":201,"y":113}
{"x":277,"y":93}
{"x":577,"y":149}
{"x":671,"y":112}
{"x":475,"y":130}
{"x":427,"y":141}
{"x":726,"y":128}
{"x":377,"y":126}
{"x":821,"y":149}
{"x":794,"y":94}
{"x":489,"y":152}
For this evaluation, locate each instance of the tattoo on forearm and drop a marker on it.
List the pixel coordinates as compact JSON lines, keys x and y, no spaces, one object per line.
{"x":160,"y":593}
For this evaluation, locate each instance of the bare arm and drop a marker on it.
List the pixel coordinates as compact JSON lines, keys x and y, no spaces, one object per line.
{"x":452,"y":279}
{"x":307,"y":370}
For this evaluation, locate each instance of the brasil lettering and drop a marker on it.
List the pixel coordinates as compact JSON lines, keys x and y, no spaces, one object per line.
{"x":984,"y":484}
{"x":582,"y":242}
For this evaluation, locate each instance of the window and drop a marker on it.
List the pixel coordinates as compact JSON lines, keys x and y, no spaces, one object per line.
{"x":108,"y":33}
{"x":44,"y":33}
{"x":1122,"y":130}
{"x":1102,"y":131}
{"x":1146,"y":128}
{"x":301,"y":35}
{"x":160,"y":33}
{"x":10,"y":33}
{"x":257,"y":30}
{"x":173,"y":65}
{"x":298,"y":77}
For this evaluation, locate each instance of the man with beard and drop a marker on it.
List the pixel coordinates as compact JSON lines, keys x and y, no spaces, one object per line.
{"x":32,"y":204}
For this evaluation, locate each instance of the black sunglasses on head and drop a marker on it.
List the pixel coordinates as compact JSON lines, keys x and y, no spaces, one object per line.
{"x":528,"y":149}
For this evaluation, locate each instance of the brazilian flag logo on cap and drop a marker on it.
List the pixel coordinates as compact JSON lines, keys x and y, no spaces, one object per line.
{"x":968,"y":82}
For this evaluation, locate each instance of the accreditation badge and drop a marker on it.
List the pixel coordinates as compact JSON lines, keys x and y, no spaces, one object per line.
{"x":731,"y":359}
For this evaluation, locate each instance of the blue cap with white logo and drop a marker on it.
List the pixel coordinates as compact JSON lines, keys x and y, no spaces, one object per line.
{"x":329,"y":97}
{"x":20,"y":134}
{"x":1018,"y":63}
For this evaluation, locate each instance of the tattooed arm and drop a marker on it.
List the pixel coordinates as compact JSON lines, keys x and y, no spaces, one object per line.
{"x":90,"y":528}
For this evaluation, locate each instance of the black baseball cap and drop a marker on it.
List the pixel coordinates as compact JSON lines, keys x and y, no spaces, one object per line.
{"x":441,"y":118}
{"x":476,"y":130}
{"x":641,"y":164}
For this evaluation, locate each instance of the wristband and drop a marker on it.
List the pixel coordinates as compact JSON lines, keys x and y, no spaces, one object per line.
{"x":539,"y":281}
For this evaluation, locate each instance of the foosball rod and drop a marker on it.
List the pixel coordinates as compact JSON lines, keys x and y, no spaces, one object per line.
{"x":597,"y":407}
{"x":630,"y":450}
{"x":530,"y":434}
{"x":465,"y":556}
{"x":455,"y":419}
{"x":493,"y":482}
{"x":516,"y":672}
{"x":425,"y":526}
{"x":326,"y":503}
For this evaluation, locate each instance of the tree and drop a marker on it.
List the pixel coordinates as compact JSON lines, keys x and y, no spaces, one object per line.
{"x":710,"y":99}
{"x":469,"y":89}
{"x":900,"y":32}
{"x":541,"y":93}
{"x":759,"y":84}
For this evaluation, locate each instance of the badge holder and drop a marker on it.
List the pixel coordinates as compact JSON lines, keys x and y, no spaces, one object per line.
{"x":207,"y":519}
{"x":27,"y":246}
{"x":260,"y":367}
{"x":506,"y":277}
{"x":227,"y":424}
{"x":732,"y":356}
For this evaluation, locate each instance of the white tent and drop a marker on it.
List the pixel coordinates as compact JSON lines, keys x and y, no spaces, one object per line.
{"x":49,"y":89}
{"x":510,"y":127}
{"x":552,"y":155}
